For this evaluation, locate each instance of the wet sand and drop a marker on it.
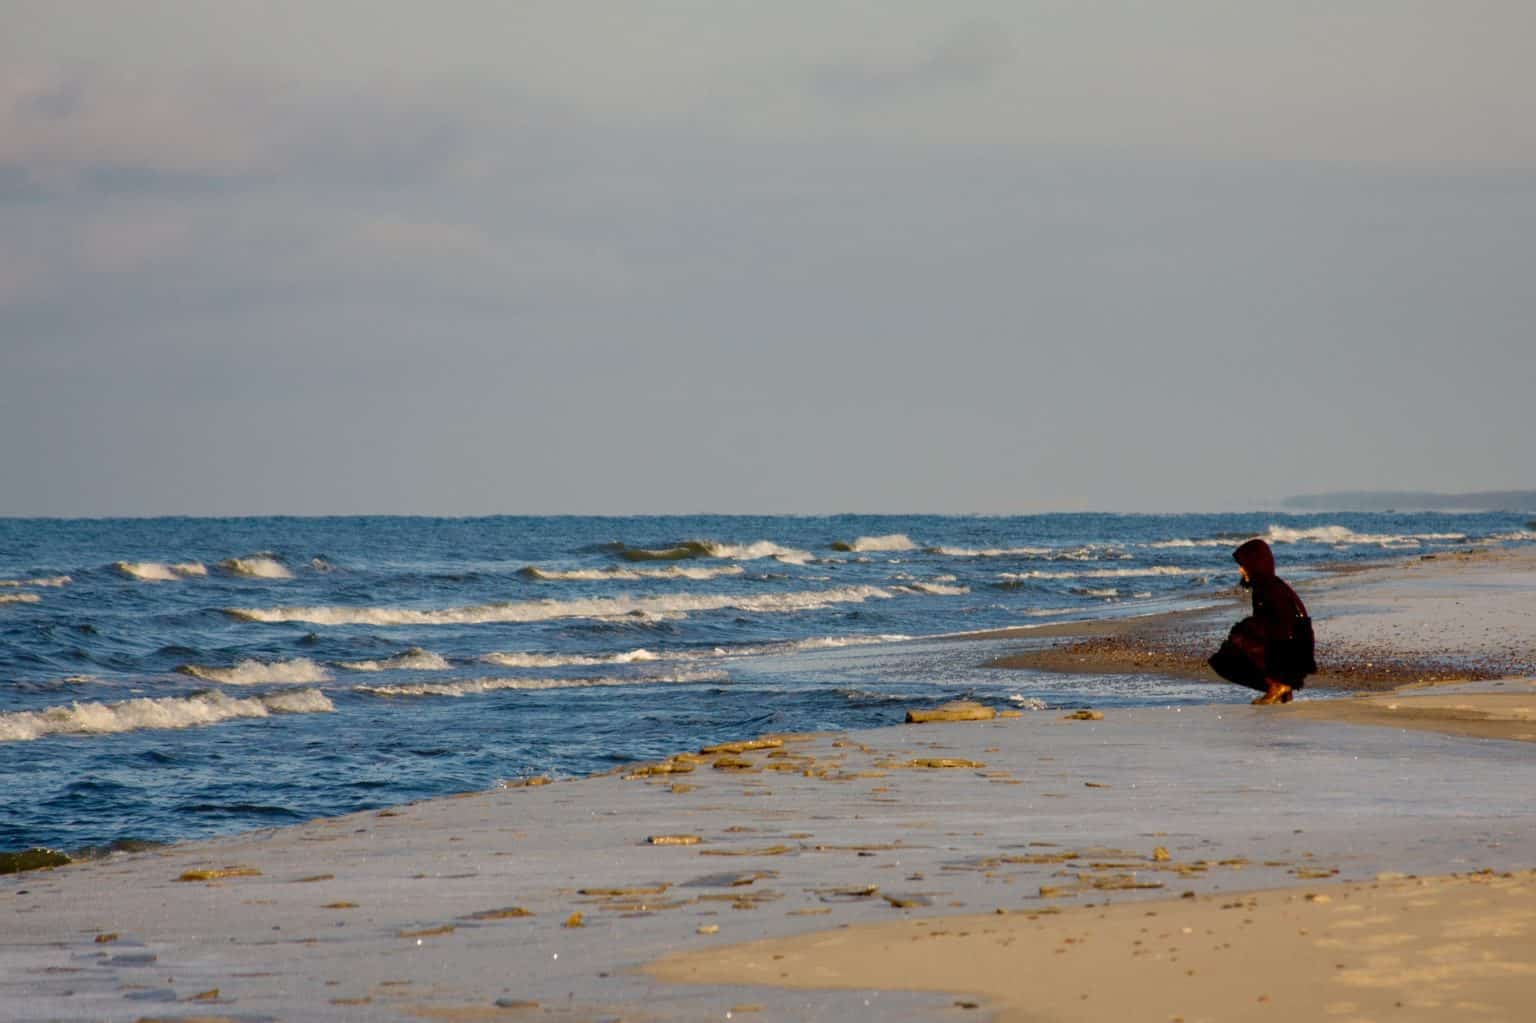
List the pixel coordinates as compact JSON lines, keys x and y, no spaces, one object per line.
{"x":548,"y":901}
{"x":1448,"y":618}
{"x":1442,"y":948}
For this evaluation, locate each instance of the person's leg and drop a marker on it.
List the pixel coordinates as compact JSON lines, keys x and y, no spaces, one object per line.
{"x":1274,"y":692}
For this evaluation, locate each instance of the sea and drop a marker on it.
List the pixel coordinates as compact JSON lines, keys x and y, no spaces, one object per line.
{"x":174,"y":678}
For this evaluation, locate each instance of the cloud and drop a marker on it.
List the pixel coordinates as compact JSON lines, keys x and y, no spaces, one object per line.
{"x":970,"y":55}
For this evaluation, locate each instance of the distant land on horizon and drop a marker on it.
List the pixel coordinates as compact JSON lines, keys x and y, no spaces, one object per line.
{"x":1414,"y":500}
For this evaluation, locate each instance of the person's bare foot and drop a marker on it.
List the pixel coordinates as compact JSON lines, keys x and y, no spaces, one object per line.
{"x":1278,"y":692}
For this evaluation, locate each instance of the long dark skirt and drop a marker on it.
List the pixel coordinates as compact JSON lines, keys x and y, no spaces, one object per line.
{"x":1246,"y":659}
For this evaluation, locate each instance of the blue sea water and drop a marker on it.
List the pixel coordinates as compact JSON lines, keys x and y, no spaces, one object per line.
{"x":163,"y":679}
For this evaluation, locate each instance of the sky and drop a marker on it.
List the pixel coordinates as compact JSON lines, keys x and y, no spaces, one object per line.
{"x":473,"y":257}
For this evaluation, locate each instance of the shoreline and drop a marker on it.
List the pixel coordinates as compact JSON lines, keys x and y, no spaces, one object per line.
{"x":1361,"y":615}
{"x":548,"y":900}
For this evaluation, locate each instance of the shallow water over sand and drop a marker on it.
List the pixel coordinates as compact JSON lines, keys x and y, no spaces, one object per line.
{"x":165,"y":679}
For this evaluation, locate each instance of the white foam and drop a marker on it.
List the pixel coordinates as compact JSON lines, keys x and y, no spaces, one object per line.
{"x":630,"y":574}
{"x":991,"y":552}
{"x":546,"y":610}
{"x":300,"y":670}
{"x":1104,"y":573}
{"x":1171,"y":544}
{"x":159,"y":571}
{"x":256,"y":566}
{"x":1343,"y":536}
{"x":1104,"y":593}
{"x":714,"y":549}
{"x":166,"y":712}
{"x":536,"y":660}
{"x":19,"y":598}
{"x":760,"y":549}
{"x":414,"y":659}
{"x":476,"y":686}
{"x":932,"y":589}
{"x":52,"y":580}
{"x":1027,"y":702}
{"x":889,"y":542}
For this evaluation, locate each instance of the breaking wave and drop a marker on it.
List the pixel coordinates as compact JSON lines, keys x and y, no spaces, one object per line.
{"x":19,"y":598}
{"x":414,"y":659}
{"x":546,"y":610}
{"x":255,"y":673}
{"x":932,"y":589}
{"x":891,"y":542}
{"x":1337,"y":536}
{"x":543,"y":660}
{"x":535,"y":660}
{"x":52,"y":580}
{"x":256,"y":566}
{"x":1105,"y":573}
{"x":628,"y":574}
{"x":991,"y":552}
{"x":166,"y":712}
{"x":159,"y":571}
{"x":1343,"y":536}
{"x":713,"y":549}
{"x":475,"y":686}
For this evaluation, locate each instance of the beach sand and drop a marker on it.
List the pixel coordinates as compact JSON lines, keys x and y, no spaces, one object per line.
{"x":850,"y":853}
{"x":1442,"y":948}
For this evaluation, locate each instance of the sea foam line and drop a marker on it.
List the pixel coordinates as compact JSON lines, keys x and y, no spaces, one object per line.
{"x":19,"y":598}
{"x":715,"y":549}
{"x":629,"y":574}
{"x":165,"y":712}
{"x":159,"y":571}
{"x":256,"y":566}
{"x":991,"y":552}
{"x":548,"y":660}
{"x":414,"y":659}
{"x":52,"y":580}
{"x":476,"y":686}
{"x":250,"y":672}
{"x":546,"y":610}
{"x":889,"y":542}
{"x":1104,"y":573}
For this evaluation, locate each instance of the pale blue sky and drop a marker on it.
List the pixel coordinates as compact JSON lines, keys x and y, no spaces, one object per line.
{"x":476,"y":257}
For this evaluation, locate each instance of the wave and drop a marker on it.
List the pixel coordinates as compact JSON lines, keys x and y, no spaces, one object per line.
{"x":19,"y":598}
{"x":249,"y":672}
{"x":932,"y":589}
{"x":1106,"y":594}
{"x":52,"y":580}
{"x":546,"y":610}
{"x":540,"y":660}
{"x":1023,"y":702}
{"x":1338,"y":536}
{"x":256,"y":566}
{"x":1344,"y":536}
{"x":628,"y":574}
{"x":476,"y":686}
{"x":414,"y":659}
{"x":714,"y":549}
{"x":159,"y":571}
{"x":166,"y":712}
{"x":991,"y":552}
{"x":1105,"y":573}
{"x":891,"y":542}
{"x":536,"y":660}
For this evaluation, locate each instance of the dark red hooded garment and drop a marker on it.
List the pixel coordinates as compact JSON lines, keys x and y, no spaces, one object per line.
{"x":1275,"y":642}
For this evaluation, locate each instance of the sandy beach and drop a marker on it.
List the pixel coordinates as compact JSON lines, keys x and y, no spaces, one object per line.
{"x":1356,"y":858}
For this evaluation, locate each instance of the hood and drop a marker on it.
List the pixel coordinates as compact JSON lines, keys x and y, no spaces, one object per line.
{"x":1257,"y":558}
